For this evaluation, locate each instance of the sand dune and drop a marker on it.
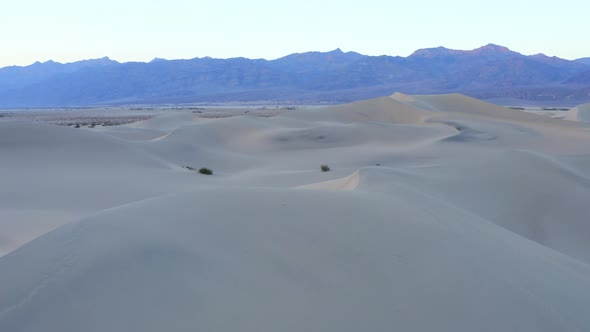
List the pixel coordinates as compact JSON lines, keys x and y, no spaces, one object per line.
{"x":463,"y":104}
{"x":51,"y":175}
{"x":384,"y":109}
{"x":579,"y":113}
{"x":439,"y":213}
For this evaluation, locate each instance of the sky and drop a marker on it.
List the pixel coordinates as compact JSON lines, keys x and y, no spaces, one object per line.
{"x":133,"y":30}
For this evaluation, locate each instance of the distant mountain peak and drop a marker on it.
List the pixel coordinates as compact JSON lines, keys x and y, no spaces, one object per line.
{"x":103,"y":59}
{"x":490,"y":71}
{"x":100,"y":61}
{"x":45,"y":64}
{"x":443,"y":51}
{"x":492,"y":48}
{"x":158,"y":60}
{"x":434,"y":51}
{"x":336,"y":54}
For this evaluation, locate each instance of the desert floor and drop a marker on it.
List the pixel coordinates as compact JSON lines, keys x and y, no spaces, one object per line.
{"x":438,"y":213}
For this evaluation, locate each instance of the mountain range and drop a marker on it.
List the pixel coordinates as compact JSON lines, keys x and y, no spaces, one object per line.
{"x":491,"y":72}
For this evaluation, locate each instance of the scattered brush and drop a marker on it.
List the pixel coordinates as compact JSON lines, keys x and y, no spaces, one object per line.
{"x":325,"y":168}
{"x":205,"y":171}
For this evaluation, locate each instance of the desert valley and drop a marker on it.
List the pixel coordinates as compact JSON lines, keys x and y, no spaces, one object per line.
{"x":398,"y":213}
{"x":294,"y":166}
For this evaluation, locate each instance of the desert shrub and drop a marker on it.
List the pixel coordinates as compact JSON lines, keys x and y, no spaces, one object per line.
{"x":205,"y":171}
{"x":325,"y":168}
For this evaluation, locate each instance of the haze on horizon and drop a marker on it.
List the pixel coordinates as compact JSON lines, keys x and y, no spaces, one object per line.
{"x":71,"y":30}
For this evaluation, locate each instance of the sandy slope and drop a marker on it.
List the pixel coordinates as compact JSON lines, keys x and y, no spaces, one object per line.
{"x":440,"y":213}
{"x":51,"y":175}
{"x":579,"y":113}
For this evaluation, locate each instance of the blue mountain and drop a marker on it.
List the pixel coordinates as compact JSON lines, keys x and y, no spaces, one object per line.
{"x":490,"y":72}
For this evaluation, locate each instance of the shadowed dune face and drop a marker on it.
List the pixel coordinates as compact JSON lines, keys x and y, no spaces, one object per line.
{"x":438,"y":213}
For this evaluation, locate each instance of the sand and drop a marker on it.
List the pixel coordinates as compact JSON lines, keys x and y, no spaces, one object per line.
{"x":579,"y":113}
{"x":440,"y":213}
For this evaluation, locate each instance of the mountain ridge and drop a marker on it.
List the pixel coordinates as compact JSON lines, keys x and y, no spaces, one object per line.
{"x":488,"y":72}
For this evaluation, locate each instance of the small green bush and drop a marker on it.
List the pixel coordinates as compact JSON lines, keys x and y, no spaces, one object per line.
{"x":205,"y":171}
{"x":325,"y":168}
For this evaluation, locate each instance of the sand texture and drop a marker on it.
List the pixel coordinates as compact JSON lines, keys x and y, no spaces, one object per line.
{"x":439,"y":213}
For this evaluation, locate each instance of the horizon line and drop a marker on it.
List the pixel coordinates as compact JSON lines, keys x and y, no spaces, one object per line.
{"x":280,"y":57}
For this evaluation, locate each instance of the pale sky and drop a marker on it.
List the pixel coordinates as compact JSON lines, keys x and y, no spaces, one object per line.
{"x":134,"y":30}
